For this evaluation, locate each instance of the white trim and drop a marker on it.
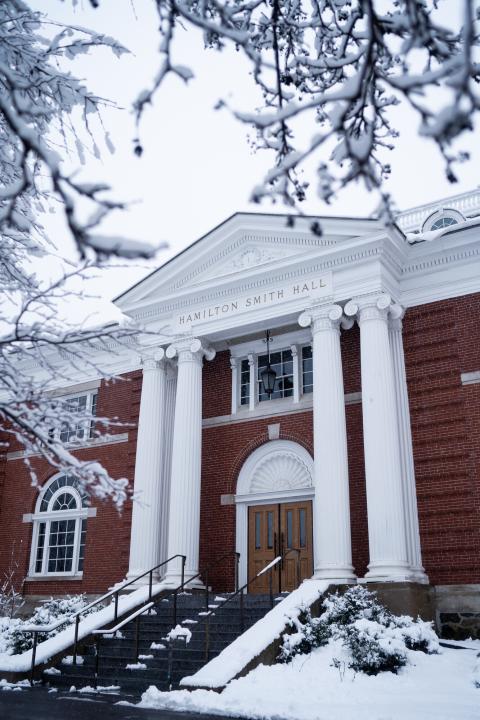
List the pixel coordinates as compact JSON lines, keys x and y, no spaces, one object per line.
{"x":79,"y":389}
{"x":277,"y":342}
{"x":243,"y":499}
{"x":91,"y":442}
{"x":273,"y":408}
{"x":470,"y":378}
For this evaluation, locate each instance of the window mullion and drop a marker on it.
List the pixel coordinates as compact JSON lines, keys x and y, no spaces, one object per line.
{"x":296,"y":373}
{"x":252,"y":364}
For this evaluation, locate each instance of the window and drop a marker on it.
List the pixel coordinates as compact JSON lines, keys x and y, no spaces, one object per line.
{"x":282,"y":363}
{"x":443,"y":222}
{"x":84,"y":406}
{"x":60,"y":528}
{"x":307,"y":370}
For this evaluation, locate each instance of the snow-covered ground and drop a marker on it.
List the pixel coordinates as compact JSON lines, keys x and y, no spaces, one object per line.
{"x":430,"y":687}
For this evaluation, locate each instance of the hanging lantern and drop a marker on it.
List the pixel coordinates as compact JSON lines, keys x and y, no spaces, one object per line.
{"x":268,"y":374}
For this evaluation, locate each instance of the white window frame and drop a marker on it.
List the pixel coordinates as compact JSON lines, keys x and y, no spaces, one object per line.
{"x":251,"y":352}
{"x":91,"y":395}
{"x":78,"y":514}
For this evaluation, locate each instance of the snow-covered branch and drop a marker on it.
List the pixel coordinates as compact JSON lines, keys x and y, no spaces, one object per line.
{"x":343,"y":65}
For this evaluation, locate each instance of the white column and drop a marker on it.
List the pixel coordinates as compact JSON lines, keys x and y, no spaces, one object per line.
{"x":184,"y":516}
{"x":414,"y":554}
{"x":386,"y":517}
{"x":169,"y":416}
{"x":331,"y":527}
{"x":148,"y":486}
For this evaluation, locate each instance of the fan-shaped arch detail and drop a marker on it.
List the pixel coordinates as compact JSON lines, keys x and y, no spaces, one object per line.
{"x":276,"y":466}
{"x":280,"y":471}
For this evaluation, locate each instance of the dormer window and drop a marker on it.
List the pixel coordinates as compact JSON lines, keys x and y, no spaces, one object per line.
{"x":442,"y":218}
{"x":443,"y":222}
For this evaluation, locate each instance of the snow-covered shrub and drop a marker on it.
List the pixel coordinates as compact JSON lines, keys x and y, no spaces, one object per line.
{"x":49,"y":612}
{"x":374,"y":647}
{"x":309,"y":633}
{"x":375,"y":638}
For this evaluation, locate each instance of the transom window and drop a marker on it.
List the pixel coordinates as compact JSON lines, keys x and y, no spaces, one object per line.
{"x":282,"y":363}
{"x":59,"y":529}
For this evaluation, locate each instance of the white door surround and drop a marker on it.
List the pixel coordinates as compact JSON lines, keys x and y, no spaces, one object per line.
{"x":278,"y":471}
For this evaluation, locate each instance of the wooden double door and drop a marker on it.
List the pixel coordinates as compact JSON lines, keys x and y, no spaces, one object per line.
{"x":272,"y":531}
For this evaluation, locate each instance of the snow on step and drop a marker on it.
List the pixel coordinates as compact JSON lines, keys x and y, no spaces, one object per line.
{"x":135,"y":666}
{"x":223,"y":668}
{"x":157,"y":646}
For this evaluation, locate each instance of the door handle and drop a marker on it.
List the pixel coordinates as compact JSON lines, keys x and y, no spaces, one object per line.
{"x":282,"y":547}
{"x":275,"y":544}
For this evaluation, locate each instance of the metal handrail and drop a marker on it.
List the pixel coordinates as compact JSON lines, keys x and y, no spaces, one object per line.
{"x":113,"y":630}
{"x":136,"y":615}
{"x":36,"y":629}
{"x":240,"y":591}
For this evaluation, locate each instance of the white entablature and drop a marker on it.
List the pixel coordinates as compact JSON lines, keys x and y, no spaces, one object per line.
{"x":254,"y":271}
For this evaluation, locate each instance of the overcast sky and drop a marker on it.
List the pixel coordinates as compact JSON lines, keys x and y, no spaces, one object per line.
{"x":197,"y":168}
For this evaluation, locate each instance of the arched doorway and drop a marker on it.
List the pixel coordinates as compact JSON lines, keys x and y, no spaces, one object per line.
{"x":274,"y":512}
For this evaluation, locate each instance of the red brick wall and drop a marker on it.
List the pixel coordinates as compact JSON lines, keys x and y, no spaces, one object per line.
{"x":441,"y":341}
{"x":108,"y":534}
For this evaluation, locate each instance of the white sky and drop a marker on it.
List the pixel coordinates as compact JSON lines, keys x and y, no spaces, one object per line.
{"x":197,"y":168}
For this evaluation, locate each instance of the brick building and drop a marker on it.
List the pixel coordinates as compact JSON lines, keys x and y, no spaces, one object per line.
{"x":364,"y":457}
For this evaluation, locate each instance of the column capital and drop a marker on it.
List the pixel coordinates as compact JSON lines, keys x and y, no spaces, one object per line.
{"x":323,"y":317}
{"x":396,"y":316}
{"x":152,"y":359}
{"x":369,"y":307}
{"x":190,"y":350}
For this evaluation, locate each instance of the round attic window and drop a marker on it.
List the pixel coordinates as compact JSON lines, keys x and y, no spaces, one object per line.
{"x":443,"y":222}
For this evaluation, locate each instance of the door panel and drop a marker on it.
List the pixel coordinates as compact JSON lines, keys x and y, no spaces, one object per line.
{"x":272,"y":530}
{"x":296,"y":533}
{"x":262,"y":544}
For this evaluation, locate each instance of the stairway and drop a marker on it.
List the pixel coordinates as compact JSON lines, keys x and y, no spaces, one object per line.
{"x":153,"y":663}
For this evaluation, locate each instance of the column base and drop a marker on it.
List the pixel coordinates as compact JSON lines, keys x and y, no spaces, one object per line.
{"x":389,"y":572}
{"x":174,"y":580}
{"x":338,"y":575}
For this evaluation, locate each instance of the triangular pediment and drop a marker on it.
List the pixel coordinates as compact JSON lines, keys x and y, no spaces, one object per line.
{"x":244,"y":245}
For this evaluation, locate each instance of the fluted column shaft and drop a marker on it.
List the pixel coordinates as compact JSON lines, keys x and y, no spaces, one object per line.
{"x":414,"y":554}
{"x":386,"y":517}
{"x":170,"y":393}
{"x":145,"y":545}
{"x":184,"y":516}
{"x":332,"y":537}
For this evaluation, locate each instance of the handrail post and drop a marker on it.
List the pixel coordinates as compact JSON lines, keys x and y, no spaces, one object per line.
{"x":207,"y":638}
{"x":184,"y":560}
{"x":97,"y":661}
{"x":237,"y":570}
{"x":242,"y":623}
{"x":270,"y":586}
{"x":175,"y":609}
{"x":150,"y":580}
{"x":206,"y":591}
{"x":34,"y":654}
{"x":116,"y":607}
{"x":137,"y":636}
{"x":75,"y":641}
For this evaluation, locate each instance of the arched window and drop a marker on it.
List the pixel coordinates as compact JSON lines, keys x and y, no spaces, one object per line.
{"x":442,"y":218}
{"x":59,"y":528}
{"x":443,"y":222}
